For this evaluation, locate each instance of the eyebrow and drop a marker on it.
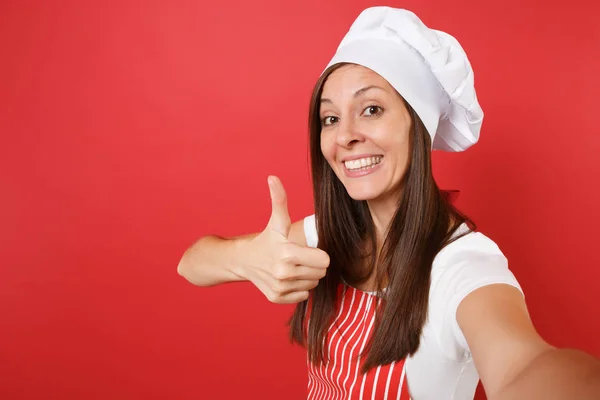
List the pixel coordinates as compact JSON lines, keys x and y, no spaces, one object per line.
{"x":357,"y":93}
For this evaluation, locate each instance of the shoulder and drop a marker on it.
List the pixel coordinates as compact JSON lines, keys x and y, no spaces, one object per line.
{"x":469,"y":259}
{"x":467,"y":244}
{"x":469,"y":263}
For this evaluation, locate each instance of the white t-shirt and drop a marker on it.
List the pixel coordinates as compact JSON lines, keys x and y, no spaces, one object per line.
{"x":443,"y":368}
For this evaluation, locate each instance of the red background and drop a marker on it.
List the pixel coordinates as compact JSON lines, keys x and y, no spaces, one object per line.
{"x":131,"y":128}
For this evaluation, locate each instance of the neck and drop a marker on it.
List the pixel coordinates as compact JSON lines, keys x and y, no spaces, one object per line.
{"x":382,"y":211}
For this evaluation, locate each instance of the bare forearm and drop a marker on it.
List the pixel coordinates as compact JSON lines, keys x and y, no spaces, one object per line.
{"x":213,"y":260}
{"x":556,"y":374}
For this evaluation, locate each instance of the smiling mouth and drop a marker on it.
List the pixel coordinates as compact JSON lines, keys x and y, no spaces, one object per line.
{"x":363,"y":164}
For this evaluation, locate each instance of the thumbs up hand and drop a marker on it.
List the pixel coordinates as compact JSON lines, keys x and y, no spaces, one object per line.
{"x":280,"y":218}
{"x":282,"y":270}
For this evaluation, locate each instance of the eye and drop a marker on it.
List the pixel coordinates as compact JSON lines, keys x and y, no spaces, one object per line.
{"x":372,"y":111}
{"x":329,"y":121}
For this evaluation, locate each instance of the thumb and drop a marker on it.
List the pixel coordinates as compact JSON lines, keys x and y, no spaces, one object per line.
{"x":280,"y":218}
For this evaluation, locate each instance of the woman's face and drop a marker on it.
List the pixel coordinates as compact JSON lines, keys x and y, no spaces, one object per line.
{"x":365,"y":130}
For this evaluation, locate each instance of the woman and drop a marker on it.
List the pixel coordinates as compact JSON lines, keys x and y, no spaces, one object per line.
{"x":397,"y":295}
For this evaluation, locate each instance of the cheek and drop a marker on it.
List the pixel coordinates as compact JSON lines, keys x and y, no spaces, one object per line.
{"x":327,"y":148}
{"x":404,"y":146}
{"x":404,"y":155}
{"x":401,"y":141}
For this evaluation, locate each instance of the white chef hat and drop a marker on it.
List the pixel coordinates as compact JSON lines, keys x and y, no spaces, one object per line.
{"x":427,"y":67}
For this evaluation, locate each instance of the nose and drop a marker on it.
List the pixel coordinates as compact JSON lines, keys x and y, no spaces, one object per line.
{"x":347,"y":133}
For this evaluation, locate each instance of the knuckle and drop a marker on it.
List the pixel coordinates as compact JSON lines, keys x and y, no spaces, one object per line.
{"x":276,"y":298}
{"x":287,"y":256}
{"x":326,"y":259}
{"x":278,"y":288}
{"x":303,"y":296}
{"x":280,"y":273}
{"x":271,"y":297}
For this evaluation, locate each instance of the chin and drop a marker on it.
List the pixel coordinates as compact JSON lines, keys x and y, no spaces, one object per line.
{"x":362,"y":194}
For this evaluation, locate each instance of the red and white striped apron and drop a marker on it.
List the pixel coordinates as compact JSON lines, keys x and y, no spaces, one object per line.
{"x":340,"y":378}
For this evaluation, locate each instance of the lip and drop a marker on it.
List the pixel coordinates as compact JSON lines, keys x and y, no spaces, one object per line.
{"x":361,"y":173}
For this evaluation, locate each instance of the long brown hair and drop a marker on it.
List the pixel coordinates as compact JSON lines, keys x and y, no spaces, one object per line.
{"x":422,"y":225}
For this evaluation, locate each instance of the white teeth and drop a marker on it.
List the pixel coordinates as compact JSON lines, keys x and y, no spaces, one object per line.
{"x":363,"y":163}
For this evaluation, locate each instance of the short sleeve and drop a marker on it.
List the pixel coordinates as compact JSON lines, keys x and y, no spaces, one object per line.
{"x":310,"y":231}
{"x":469,"y":263}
